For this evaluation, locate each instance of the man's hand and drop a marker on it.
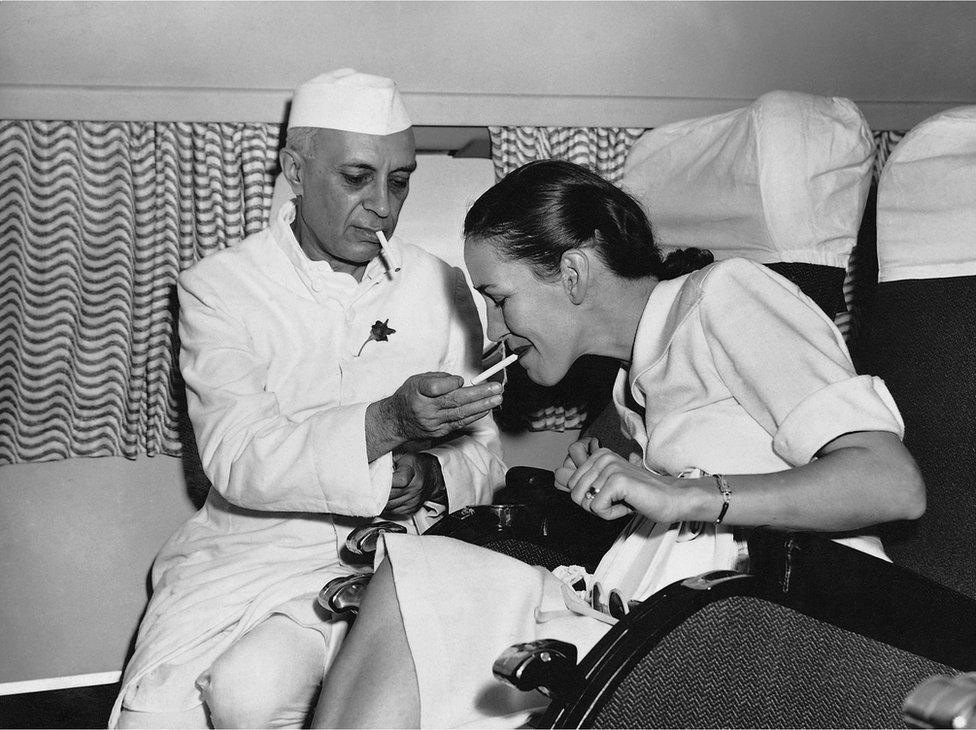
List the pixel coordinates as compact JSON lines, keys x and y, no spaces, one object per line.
{"x":426,"y":406}
{"x":417,"y":478}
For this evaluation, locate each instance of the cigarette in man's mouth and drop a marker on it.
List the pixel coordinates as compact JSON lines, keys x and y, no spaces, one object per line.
{"x":382,"y":237}
{"x":500,"y":365}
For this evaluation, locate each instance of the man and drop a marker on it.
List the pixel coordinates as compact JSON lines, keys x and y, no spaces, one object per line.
{"x":296,"y":345}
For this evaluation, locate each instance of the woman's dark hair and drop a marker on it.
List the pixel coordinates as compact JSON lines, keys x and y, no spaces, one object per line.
{"x":545,"y":208}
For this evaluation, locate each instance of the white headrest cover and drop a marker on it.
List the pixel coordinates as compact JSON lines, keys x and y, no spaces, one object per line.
{"x":927,"y":201}
{"x":351,"y":101}
{"x":784,"y":179}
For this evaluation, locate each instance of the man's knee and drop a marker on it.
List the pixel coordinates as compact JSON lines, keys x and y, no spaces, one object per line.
{"x":195,"y":717}
{"x":268,"y":679}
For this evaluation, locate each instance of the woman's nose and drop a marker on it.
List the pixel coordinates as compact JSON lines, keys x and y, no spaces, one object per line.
{"x":496,"y":329}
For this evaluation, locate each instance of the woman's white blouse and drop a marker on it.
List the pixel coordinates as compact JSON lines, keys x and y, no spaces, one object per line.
{"x":738,"y":372}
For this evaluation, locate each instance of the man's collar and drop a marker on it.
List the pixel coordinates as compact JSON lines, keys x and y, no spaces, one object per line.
{"x":386,"y":264}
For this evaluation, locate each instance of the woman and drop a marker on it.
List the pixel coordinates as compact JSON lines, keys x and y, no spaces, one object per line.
{"x":739,"y":389}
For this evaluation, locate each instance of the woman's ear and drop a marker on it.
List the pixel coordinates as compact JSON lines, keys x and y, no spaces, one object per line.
{"x":574,"y":271}
{"x":292,"y":167}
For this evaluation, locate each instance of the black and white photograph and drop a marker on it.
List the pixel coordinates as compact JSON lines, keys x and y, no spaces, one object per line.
{"x":487,"y":364}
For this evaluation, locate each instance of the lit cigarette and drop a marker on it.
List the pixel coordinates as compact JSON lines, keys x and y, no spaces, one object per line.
{"x":382,"y":236}
{"x":494,"y":369}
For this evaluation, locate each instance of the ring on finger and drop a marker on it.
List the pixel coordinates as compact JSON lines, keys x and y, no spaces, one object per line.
{"x":591,"y":493}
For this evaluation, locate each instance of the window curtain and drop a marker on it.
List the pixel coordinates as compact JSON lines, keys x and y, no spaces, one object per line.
{"x":861,"y":278}
{"x":97,"y":219}
{"x":601,"y":149}
{"x":604,"y":150}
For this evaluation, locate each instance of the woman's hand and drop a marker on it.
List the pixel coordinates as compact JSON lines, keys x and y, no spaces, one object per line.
{"x":609,"y":486}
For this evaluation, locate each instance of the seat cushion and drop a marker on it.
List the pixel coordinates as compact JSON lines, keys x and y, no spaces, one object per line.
{"x":927,"y":201}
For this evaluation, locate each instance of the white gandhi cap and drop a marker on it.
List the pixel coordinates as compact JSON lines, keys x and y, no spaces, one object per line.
{"x":350,"y":101}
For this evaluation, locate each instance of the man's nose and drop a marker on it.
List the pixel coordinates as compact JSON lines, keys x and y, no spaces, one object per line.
{"x":378,"y":200}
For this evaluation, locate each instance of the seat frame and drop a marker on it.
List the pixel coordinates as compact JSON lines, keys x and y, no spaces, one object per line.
{"x":805,"y":573}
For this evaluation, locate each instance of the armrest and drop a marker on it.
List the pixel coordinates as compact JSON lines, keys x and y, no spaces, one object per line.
{"x":547,"y":665}
{"x":342,"y":595}
{"x":362,"y":540}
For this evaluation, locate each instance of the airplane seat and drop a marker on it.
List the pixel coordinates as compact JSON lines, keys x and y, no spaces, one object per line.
{"x":783,"y":182}
{"x":919,"y":334}
{"x":817,"y":635}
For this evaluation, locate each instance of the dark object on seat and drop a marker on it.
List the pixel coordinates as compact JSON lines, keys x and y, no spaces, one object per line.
{"x":920,"y":336}
{"x":514,"y":530}
{"x":563,"y":528}
{"x":533,"y":522}
{"x":817,"y":635}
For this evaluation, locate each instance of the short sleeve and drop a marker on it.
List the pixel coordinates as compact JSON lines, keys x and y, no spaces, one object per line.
{"x":784,"y":361}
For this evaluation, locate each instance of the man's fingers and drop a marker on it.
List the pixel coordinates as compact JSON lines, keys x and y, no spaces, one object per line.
{"x":468,"y":420}
{"x":434,"y":385}
{"x":403,"y":474}
{"x":400,"y":497}
{"x":455,"y":418}
{"x":475,"y":409}
{"x":468,"y":395}
{"x":398,"y":505}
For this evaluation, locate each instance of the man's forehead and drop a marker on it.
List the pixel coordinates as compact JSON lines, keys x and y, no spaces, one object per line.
{"x":341,"y":147}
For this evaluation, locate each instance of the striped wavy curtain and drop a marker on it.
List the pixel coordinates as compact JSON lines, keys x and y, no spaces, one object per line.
{"x":604,"y":150}
{"x":862,"y":267}
{"x":601,"y":149}
{"x":97,"y":219}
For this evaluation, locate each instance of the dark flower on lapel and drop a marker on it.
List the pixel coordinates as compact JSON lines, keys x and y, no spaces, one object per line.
{"x":380,"y":332}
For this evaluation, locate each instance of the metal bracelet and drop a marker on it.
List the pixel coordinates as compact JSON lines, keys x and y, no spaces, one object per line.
{"x":723,"y":487}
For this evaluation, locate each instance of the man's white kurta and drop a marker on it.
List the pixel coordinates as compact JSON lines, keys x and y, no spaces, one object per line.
{"x":279,"y":369}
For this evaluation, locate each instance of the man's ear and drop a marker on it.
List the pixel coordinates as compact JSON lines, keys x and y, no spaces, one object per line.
{"x":574,"y":271}
{"x":293,"y":168}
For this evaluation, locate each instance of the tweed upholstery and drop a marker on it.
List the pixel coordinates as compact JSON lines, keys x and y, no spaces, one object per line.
{"x":528,"y":552}
{"x":743,"y":662}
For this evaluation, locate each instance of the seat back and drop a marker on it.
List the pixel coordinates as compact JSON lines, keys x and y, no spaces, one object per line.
{"x":783,"y":181}
{"x":745,"y":662}
{"x":817,"y":635}
{"x":919,"y":335}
